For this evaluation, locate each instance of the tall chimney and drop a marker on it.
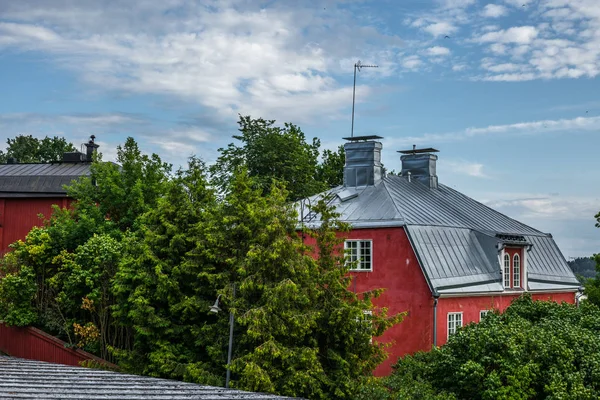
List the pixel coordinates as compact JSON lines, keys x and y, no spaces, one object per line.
{"x":363,"y":161}
{"x":420,"y":165}
{"x":91,"y":148}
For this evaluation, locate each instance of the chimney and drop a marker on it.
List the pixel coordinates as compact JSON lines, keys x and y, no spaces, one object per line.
{"x":363,"y":161}
{"x":12,"y":160}
{"x":420,"y":165}
{"x":91,"y":148}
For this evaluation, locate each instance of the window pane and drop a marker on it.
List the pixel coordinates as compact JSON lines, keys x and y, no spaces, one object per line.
{"x":506,"y":270}
{"x":516,"y":271}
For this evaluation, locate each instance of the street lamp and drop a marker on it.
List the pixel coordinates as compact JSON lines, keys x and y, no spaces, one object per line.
{"x":215,"y":309}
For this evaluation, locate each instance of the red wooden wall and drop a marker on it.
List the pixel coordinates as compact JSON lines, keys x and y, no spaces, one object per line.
{"x":471,"y":306}
{"x":395,"y":268}
{"x":19,"y":215}
{"x":34,"y":344}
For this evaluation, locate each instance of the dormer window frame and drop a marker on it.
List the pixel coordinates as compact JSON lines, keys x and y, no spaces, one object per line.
{"x":509,"y":283}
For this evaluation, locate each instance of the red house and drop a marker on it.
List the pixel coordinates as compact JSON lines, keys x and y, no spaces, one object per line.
{"x":28,"y":190}
{"x":443,"y":257}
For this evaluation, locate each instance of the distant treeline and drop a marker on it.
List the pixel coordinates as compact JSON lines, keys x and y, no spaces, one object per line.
{"x":583,"y":267}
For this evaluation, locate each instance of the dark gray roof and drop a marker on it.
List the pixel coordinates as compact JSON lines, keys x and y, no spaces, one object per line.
{"x":39,"y":180}
{"x":27,"y":379}
{"x":454,"y":236}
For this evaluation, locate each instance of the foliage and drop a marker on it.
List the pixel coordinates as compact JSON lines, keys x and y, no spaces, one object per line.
{"x":331,"y":169}
{"x":27,"y":149}
{"x":159,"y":289}
{"x":534,"y":350}
{"x":60,"y":276}
{"x":269,"y":152}
{"x":129,"y":272}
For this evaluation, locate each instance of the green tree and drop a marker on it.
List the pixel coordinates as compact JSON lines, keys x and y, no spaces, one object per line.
{"x":331,"y":169}
{"x":304,"y":333}
{"x":534,"y":350}
{"x":65,"y":269}
{"x":160,"y":290}
{"x":28,"y":149}
{"x":270,"y":153}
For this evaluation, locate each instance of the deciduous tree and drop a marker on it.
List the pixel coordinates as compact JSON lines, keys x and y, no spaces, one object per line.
{"x":28,"y":149}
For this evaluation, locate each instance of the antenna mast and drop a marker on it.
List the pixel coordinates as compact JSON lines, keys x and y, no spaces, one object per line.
{"x":357,"y":66}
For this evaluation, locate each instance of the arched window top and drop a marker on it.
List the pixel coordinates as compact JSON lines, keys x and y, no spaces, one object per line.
{"x":506,"y":272}
{"x":516,"y":271}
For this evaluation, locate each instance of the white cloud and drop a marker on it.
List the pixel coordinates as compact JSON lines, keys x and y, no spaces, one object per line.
{"x":463,"y":167}
{"x":412,"y":62}
{"x":565,"y":126}
{"x":520,"y":35}
{"x":438,"y":51}
{"x":440,"y":29}
{"x":225,"y":57}
{"x":494,"y":11}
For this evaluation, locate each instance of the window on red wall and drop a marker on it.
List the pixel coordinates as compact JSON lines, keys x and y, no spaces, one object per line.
{"x":512,"y":269}
{"x":506,"y":271}
{"x":360,"y":253}
{"x":455,"y":321}
{"x":516,"y":271}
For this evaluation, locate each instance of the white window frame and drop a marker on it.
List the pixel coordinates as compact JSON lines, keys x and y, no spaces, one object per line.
{"x":483,"y":313}
{"x":362,"y":264}
{"x":455,"y":321}
{"x":516,"y":275}
{"x":506,"y":268}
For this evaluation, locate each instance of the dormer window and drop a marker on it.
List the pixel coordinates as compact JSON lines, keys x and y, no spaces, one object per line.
{"x":506,"y":271}
{"x":512,"y":268}
{"x":516,"y":271}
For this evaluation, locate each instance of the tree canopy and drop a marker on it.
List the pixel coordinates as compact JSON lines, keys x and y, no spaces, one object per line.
{"x":130,"y":271}
{"x":28,"y":149}
{"x":279,"y":153}
{"x":534,"y":350}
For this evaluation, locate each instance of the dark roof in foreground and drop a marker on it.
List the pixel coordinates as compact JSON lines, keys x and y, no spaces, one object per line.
{"x":455,"y":237}
{"x":27,"y":379}
{"x":39,"y":180}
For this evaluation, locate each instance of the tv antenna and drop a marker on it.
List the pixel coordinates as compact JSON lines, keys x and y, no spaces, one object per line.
{"x":357,"y":66}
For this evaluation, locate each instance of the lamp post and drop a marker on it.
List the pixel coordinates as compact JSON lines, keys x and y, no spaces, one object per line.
{"x":357,"y":66}
{"x":215,"y":309}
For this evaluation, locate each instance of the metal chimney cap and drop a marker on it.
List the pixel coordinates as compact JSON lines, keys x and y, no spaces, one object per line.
{"x":414,"y":150}
{"x":358,"y":138}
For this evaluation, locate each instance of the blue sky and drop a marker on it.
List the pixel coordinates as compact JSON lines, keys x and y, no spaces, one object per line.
{"x":510,"y":97}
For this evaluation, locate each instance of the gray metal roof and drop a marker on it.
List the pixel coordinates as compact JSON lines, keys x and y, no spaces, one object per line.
{"x":453,"y":235}
{"x":27,"y":379}
{"x":39,"y":180}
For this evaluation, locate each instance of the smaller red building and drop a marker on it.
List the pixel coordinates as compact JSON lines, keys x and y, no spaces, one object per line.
{"x":443,"y":257}
{"x":28,"y":192}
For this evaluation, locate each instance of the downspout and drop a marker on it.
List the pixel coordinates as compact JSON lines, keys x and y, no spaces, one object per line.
{"x":436,"y":296}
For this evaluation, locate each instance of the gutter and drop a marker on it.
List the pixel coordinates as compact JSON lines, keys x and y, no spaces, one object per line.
{"x":436,"y":296}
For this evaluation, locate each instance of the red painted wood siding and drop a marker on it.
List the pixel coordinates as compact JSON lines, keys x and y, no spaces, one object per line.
{"x":471,"y":306}
{"x":34,"y":344}
{"x":396,"y":269}
{"x":19,"y":215}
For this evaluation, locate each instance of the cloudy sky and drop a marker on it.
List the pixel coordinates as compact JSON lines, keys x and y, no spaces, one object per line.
{"x":508,"y":90}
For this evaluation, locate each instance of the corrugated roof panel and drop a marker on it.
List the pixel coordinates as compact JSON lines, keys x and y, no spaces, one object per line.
{"x":27,"y":379}
{"x":39,"y":179}
{"x":545,"y":262}
{"x":450,"y":256}
{"x":453,"y":235}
